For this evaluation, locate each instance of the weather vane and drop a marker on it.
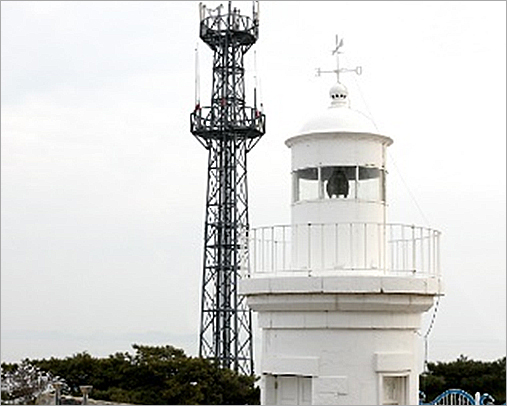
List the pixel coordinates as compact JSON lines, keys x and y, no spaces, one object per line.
{"x":338,"y":70}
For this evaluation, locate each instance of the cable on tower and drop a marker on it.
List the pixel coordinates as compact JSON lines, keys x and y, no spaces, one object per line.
{"x":371,"y":117}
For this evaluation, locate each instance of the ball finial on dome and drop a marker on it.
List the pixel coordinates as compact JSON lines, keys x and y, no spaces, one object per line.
{"x":339,"y":95}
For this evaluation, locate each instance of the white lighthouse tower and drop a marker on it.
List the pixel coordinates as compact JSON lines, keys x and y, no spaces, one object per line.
{"x":339,"y":292}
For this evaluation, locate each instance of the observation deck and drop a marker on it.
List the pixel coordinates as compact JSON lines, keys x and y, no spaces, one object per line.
{"x":343,"y":249}
{"x":210,"y":123}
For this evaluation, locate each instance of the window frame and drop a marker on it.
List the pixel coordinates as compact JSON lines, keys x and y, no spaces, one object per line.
{"x":321,"y":193}
{"x":405,"y":387}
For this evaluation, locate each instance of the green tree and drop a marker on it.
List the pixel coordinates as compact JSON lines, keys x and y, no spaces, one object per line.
{"x":154,"y":375}
{"x":469,"y":375}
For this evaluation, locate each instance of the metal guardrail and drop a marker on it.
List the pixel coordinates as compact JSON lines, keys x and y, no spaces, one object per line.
{"x":458,"y":397}
{"x":207,"y":120}
{"x":220,"y":24}
{"x":372,"y":248}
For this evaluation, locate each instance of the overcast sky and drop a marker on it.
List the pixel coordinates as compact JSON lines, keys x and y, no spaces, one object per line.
{"x":103,"y":186}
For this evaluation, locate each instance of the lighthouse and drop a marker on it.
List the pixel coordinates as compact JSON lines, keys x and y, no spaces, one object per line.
{"x":340,"y":292}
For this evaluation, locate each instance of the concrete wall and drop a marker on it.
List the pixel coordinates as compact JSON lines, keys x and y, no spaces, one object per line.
{"x":346,"y":365}
{"x":340,"y":340}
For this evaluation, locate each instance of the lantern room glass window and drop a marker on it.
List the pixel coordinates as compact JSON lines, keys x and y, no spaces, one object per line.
{"x":339,"y":182}
{"x":307,"y":184}
{"x":369,"y":184}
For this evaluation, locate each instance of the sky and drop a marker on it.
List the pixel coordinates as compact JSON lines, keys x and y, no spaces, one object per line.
{"x":103,"y":186}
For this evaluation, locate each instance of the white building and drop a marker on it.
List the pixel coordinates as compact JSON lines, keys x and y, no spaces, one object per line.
{"x":339,"y":292}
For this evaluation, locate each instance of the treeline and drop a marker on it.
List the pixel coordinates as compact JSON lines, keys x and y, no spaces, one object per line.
{"x":151,"y":376}
{"x":165,"y":375}
{"x":469,"y":375}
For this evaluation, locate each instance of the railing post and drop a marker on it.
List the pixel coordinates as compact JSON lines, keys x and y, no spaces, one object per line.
{"x":309,"y":246}
{"x":438,"y":255}
{"x":262,"y":248}
{"x":351,"y":246}
{"x":385,"y":247}
{"x":336,"y":245}
{"x":323,"y":257}
{"x":391,"y":228}
{"x":273,"y":248}
{"x":294,"y":249}
{"x":365,"y":245}
{"x":254,"y":261}
{"x":283,"y":248}
{"x":433,"y":253}
{"x":430,"y":265}
{"x":413,"y":249}
{"x":404,"y":252}
{"x":421,"y":233}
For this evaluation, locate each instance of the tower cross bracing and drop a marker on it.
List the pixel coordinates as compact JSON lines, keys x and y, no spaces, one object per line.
{"x":228,"y":129}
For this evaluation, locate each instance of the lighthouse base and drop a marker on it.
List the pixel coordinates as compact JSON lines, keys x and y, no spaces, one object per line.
{"x":340,"y":340}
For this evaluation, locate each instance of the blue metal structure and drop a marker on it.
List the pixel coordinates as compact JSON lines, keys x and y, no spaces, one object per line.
{"x":456,"y":397}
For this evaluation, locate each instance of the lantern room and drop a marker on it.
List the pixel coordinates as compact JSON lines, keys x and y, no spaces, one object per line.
{"x":338,"y":166}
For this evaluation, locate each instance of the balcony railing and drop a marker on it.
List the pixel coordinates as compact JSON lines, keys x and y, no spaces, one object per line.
{"x":207,"y":122}
{"x":343,"y":248}
{"x":230,"y":26}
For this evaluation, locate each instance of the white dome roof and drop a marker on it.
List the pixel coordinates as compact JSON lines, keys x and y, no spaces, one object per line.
{"x":339,"y":117}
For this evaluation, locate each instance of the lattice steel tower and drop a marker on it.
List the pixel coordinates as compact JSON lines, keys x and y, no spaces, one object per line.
{"x":228,"y":129}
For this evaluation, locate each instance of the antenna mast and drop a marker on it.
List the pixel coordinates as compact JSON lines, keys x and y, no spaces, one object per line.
{"x":228,"y":129}
{"x":197,"y":78}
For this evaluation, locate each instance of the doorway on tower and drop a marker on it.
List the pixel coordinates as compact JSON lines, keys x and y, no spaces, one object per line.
{"x":394,"y":389}
{"x":289,"y":389}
